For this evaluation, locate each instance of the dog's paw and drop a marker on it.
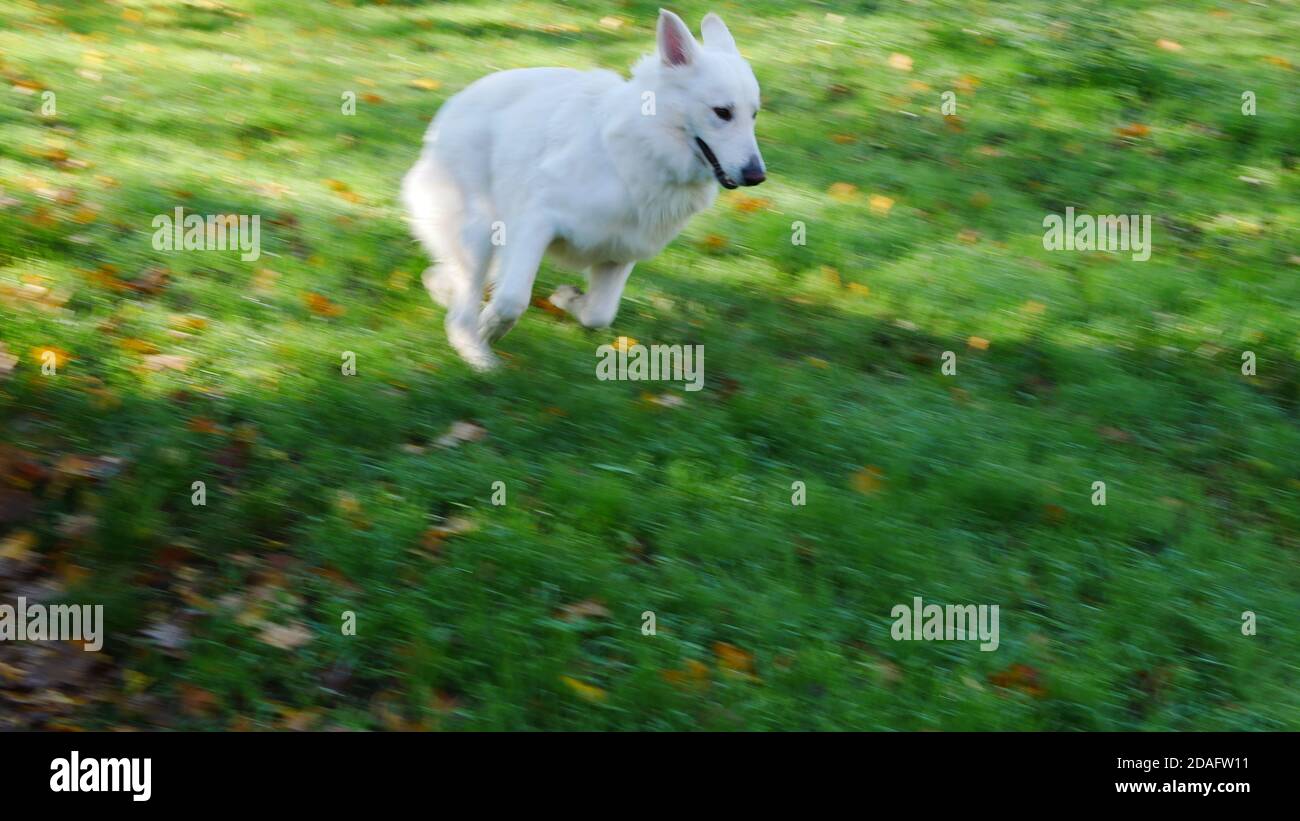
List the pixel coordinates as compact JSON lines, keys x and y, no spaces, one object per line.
{"x":565,"y":297}
{"x":480,"y":360}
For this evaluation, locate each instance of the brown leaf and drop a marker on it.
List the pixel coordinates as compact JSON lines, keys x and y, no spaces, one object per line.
{"x":285,"y":637}
{"x":868,"y":480}
{"x":588,"y":608}
{"x":1020,"y":677}
{"x":461,"y":431}
{"x":733,"y":660}
{"x":322,"y":306}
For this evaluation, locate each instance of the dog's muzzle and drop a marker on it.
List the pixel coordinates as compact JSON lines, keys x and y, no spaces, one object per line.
{"x":726,"y":181}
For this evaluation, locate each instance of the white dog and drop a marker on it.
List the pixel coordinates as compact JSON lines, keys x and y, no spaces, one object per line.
{"x":594,"y":170}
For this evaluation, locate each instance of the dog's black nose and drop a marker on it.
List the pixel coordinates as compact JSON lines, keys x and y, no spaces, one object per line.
{"x":753,"y":173}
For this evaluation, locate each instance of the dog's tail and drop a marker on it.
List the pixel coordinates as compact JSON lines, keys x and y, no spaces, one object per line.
{"x":419,"y":197}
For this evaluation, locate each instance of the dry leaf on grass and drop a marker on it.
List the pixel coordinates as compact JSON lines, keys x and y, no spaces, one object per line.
{"x":586,"y":692}
{"x":588,"y":608}
{"x":285,"y":637}
{"x":461,"y":431}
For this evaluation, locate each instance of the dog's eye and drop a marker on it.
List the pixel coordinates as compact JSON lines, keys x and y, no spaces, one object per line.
{"x":724,"y":114}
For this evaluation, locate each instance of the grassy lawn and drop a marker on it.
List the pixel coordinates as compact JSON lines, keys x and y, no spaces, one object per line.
{"x":328,"y":494}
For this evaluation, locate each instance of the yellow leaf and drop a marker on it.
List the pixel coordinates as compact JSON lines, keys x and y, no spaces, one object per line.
{"x":586,"y":692}
{"x":869,"y":479}
{"x":843,"y":192}
{"x":426,"y":84}
{"x":900,"y":61}
{"x":1168,"y":45}
{"x":694,"y":677}
{"x":880,"y":204}
{"x":979,"y":343}
{"x":140,"y":346}
{"x":17,"y":545}
{"x":623,"y":343}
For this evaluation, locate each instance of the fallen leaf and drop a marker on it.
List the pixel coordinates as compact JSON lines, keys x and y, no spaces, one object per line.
{"x":461,"y":431}
{"x":1020,"y":677}
{"x":17,"y":545}
{"x":161,"y":362}
{"x":322,"y":306}
{"x":979,"y":343}
{"x":868,"y":479}
{"x":586,"y":609}
{"x":900,"y":61}
{"x":714,"y":243}
{"x":880,"y":204}
{"x":285,"y":637}
{"x":843,"y":192}
{"x":1168,"y":45}
{"x":7,"y":362}
{"x":734,"y":661}
{"x":167,"y":635}
{"x":586,"y":692}
{"x":694,"y":677}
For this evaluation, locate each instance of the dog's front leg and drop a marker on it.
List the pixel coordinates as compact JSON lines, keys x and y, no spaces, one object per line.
{"x":521,"y":254}
{"x":598,"y":307}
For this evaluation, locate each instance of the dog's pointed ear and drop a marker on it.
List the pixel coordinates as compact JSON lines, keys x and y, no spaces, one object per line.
{"x":716,"y":35}
{"x":676,"y":45}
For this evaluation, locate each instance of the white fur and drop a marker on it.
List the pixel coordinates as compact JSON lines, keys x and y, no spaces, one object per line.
{"x":559,"y":162}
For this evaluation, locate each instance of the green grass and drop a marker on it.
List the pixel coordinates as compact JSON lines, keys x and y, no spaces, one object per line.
{"x":320,"y":486}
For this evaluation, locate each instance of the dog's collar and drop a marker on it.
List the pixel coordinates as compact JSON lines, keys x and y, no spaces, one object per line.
{"x":726,"y":181}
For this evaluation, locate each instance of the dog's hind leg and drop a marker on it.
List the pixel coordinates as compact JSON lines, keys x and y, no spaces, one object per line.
{"x":458,"y":237}
{"x":473,"y":257}
{"x":520,"y":257}
{"x":598,"y":307}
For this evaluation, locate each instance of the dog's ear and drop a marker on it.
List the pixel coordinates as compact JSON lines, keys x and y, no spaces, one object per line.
{"x":676,"y":45}
{"x":716,"y":35}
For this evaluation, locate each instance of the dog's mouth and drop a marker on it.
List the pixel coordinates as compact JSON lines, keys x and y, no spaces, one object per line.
{"x":726,"y":181}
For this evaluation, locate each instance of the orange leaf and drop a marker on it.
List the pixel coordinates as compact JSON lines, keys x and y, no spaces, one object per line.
{"x":880,"y":204}
{"x":869,"y":479}
{"x":322,"y":306}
